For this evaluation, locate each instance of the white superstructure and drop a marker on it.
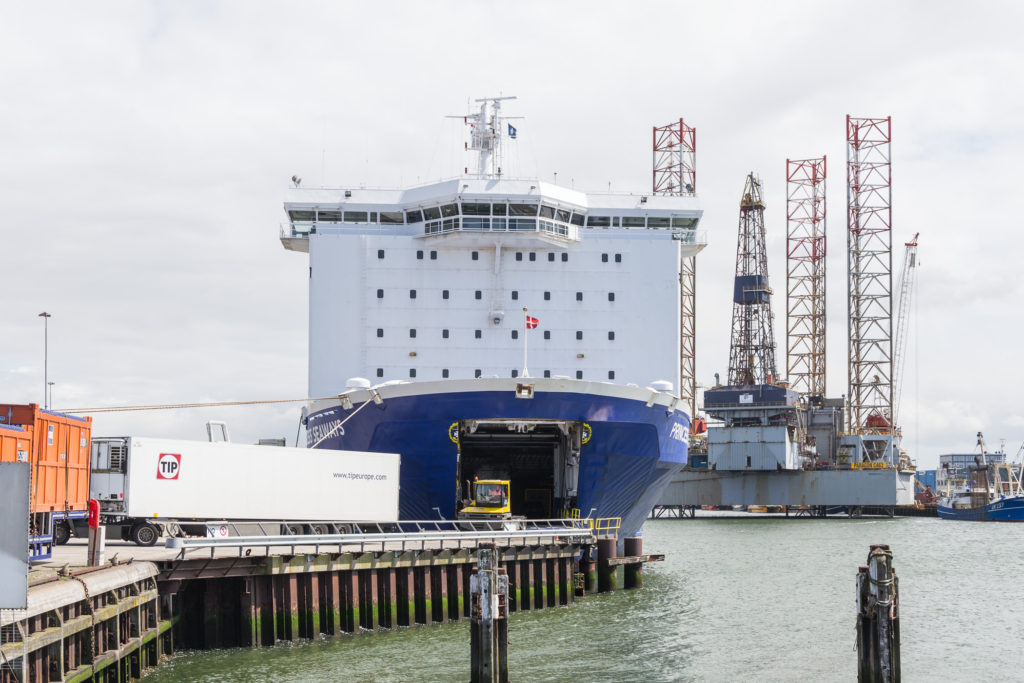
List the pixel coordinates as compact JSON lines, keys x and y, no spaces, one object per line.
{"x":430,"y":282}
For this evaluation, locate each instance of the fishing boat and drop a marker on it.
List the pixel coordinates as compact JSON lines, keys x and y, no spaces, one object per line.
{"x":992,"y":491}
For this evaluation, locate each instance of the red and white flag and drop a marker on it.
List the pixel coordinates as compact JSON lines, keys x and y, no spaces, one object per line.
{"x":531,"y":322}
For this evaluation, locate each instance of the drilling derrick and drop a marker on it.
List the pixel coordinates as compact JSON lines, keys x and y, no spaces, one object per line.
{"x":805,"y":275}
{"x":869,"y":242}
{"x":752,"y":353}
{"x":675,"y":173}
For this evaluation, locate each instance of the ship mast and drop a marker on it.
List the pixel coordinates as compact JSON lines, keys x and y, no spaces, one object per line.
{"x":486,"y":133}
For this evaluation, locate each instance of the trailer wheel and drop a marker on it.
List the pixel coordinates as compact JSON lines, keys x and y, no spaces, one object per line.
{"x":319,"y":529}
{"x":61,"y":533}
{"x":144,"y":534}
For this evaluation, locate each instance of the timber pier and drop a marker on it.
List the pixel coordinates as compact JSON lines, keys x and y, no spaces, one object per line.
{"x":114,"y":622}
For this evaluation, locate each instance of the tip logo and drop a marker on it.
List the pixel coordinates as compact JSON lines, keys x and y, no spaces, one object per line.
{"x":168,"y":466}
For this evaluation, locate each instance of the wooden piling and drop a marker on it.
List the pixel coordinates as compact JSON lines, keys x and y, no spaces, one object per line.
{"x":633,"y":576}
{"x":606,"y":576}
{"x":488,"y":627}
{"x":878,"y":628}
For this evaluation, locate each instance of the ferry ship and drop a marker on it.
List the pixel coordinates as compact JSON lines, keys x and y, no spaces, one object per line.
{"x":500,"y":327}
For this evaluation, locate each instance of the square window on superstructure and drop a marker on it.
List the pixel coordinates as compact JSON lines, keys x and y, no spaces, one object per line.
{"x":579,"y":334}
{"x":611,"y":374}
{"x":604,"y":258}
{"x":551,"y":256}
{"x":412,"y":293}
{"x":533,"y":256}
{"x":475,"y":256}
{"x":444,"y":334}
{"x":478,"y":294}
{"x":611,"y":336}
{"x":380,"y":253}
{"x":373,"y":217}
{"x":579,"y":374}
{"x":547,"y":296}
{"x":419,"y":254}
{"x":611,"y":296}
{"x":565,"y":257}
{"x":380,"y":293}
{"x":519,"y":256}
{"x":515,"y":295}
{"x":547,"y":373}
{"x":412,"y":372}
{"x":579,"y":296}
{"x":477,"y":373}
{"x":618,"y":258}
{"x":433,"y":255}
{"x":380,"y":332}
{"x":476,"y":209}
{"x":515,"y":373}
{"x":547,"y":334}
{"x":444,"y":293}
{"x":478,"y":334}
{"x":380,"y":372}
{"x":515,"y":334}
{"x":444,"y":373}
{"x":499,"y":209}
{"x":412,"y":334}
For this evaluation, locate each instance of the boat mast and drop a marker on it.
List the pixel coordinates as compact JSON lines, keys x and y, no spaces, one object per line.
{"x":485,"y":135}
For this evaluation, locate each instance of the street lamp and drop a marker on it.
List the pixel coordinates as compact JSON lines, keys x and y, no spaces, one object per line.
{"x":46,"y":355}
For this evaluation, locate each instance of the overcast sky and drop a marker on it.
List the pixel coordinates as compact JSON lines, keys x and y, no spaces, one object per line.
{"x":146,"y":148}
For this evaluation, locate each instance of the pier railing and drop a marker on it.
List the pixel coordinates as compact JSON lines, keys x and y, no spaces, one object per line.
{"x":398,"y":536}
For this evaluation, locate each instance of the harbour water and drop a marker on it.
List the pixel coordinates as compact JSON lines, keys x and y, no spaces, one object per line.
{"x":738,"y":598}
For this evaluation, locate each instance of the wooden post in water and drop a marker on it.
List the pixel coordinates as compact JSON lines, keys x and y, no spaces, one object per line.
{"x":488,"y":625}
{"x":633,"y":573}
{"x":878,"y":619}
{"x":607,"y":549}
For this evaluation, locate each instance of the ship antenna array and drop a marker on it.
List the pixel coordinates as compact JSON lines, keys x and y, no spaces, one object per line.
{"x":487,"y":129}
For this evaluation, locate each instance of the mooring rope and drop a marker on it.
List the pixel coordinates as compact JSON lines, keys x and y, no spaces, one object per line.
{"x":175,"y":406}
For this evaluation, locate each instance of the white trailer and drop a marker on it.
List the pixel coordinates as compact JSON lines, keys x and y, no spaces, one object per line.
{"x":148,"y":485}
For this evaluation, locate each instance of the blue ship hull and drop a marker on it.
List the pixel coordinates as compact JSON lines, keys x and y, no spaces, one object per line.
{"x":1009,"y":509}
{"x":638,"y":439}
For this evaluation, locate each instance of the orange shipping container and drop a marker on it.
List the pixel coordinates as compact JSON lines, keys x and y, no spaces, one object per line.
{"x":58,"y":450}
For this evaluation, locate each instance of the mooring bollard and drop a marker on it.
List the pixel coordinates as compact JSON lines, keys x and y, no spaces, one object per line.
{"x":606,"y":578}
{"x":488,"y":625}
{"x":878,"y":619}
{"x":633,"y":573}
{"x":97,"y":535}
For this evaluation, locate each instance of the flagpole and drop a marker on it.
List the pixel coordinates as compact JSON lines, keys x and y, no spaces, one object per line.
{"x":526,"y":333}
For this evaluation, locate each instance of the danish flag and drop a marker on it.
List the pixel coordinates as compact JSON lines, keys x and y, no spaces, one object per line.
{"x":531,"y":322}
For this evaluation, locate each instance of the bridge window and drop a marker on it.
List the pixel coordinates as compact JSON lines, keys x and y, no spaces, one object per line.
{"x":599,"y":221}
{"x":522,"y":209}
{"x":476,"y":209}
{"x":632,"y":221}
{"x":329,"y":216}
{"x":391,"y":218}
{"x":431,"y":213}
{"x":356,"y":217}
{"x":547,"y":211}
{"x":449,"y":210}
{"x":414,"y":216}
{"x":657,"y":222}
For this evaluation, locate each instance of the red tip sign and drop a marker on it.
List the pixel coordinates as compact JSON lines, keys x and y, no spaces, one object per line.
{"x":168,"y":466}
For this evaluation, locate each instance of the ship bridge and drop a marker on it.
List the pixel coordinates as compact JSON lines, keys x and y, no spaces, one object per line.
{"x":477,"y":211}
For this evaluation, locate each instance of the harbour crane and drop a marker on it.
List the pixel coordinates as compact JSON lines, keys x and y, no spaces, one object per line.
{"x":907,"y":278}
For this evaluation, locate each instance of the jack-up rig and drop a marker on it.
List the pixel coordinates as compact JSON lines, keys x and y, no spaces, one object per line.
{"x":782,"y":442}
